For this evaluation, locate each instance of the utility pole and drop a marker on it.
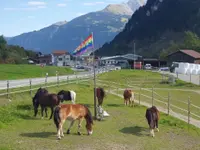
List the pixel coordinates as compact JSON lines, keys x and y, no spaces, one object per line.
{"x":134,"y":54}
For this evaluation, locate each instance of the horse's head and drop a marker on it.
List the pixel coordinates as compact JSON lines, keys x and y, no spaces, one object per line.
{"x":61,"y":97}
{"x":89,"y":121}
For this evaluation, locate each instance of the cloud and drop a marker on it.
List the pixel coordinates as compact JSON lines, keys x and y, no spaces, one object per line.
{"x":79,"y":14}
{"x":36,"y":3}
{"x":62,"y":5}
{"x":93,"y":3}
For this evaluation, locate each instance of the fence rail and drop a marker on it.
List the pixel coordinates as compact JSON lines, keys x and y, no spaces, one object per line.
{"x":167,"y":101}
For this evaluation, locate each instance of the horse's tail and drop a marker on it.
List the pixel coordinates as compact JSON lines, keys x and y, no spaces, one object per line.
{"x":73,"y":96}
{"x":57,"y":119}
{"x":89,"y":115}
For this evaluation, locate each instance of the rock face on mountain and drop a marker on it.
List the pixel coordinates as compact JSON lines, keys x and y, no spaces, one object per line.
{"x":154,"y":27}
{"x":104,"y":24}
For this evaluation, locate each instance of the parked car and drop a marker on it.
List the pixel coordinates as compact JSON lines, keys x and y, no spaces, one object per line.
{"x":148,"y":66}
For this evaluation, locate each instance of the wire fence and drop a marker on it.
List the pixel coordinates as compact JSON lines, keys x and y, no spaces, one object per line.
{"x":180,"y":109}
{"x":184,"y":110}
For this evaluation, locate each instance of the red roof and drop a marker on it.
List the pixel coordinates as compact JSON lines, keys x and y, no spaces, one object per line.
{"x":191,"y":53}
{"x":60,"y":52}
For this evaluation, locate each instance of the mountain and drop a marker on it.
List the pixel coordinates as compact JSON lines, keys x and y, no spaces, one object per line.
{"x":104,"y":24}
{"x":155,"y":27}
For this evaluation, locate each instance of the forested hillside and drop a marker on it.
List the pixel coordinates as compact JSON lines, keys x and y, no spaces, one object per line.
{"x":159,"y":27}
{"x":13,"y":54}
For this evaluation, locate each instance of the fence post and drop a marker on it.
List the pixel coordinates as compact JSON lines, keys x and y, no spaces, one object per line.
{"x":67,"y":79}
{"x":30,"y":87}
{"x":188,"y":111}
{"x":140,"y":95}
{"x":8,"y":89}
{"x":168,"y":106}
{"x":199,"y":79}
{"x":152,"y":96}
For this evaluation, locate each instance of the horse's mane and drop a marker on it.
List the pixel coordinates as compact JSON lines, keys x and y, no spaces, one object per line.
{"x":88,"y":116}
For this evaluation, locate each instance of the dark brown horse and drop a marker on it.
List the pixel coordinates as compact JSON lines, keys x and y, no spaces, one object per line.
{"x":35,"y":100}
{"x":128,"y":97}
{"x":72,"y":112}
{"x":100,"y":93}
{"x":47,"y":100}
{"x":152,"y":116}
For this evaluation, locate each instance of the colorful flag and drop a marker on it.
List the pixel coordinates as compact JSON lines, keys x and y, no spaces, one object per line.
{"x":84,"y":46}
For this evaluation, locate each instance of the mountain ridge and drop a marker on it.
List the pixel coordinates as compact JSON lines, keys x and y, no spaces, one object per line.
{"x":105,"y":24}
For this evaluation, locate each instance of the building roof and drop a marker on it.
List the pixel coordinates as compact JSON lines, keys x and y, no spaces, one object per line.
{"x":191,"y":53}
{"x":59,"y":52}
{"x":127,"y":56}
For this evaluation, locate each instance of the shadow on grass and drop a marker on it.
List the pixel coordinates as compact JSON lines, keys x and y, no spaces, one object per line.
{"x":38,"y":134}
{"x":115,"y":105}
{"x":24,"y":116}
{"x":24,"y":107}
{"x":136,"y":130}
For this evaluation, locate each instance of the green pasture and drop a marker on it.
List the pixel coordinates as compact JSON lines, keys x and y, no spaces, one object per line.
{"x":10,"y":72}
{"x":126,"y":128}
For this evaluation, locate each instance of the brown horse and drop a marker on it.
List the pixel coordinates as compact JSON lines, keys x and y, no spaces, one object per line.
{"x":100,"y":93}
{"x":152,"y":116}
{"x":128,"y":97}
{"x":72,"y":112}
{"x":47,"y":100}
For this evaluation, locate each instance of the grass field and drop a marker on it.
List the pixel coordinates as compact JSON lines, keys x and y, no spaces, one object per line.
{"x":126,"y":128}
{"x":179,"y":92}
{"x":9,"y":72}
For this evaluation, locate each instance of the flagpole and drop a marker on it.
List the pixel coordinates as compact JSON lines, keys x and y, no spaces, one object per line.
{"x":95,"y":105}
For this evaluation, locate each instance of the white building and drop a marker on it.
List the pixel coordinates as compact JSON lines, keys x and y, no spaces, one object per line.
{"x":62,"y":58}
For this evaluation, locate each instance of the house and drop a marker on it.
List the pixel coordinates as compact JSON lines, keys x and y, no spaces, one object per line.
{"x":61,"y":58}
{"x":189,"y":56}
{"x":125,"y":61}
{"x":45,"y":59}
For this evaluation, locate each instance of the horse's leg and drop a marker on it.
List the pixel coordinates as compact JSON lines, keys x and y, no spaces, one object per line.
{"x":62,"y":123}
{"x":71,"y":124}
{"x":42,"y":110}
{"x":51,"y":113}
{"x":46,"y":111}
{"x":59,"y":130}
{"x":157,"y":125}
{"x":79,"y":125}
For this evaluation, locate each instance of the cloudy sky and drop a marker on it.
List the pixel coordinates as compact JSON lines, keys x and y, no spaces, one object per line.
{"x":19,"y":16}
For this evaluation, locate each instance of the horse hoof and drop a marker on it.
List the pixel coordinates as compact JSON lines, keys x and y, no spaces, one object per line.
{"x":68,"y":131}
{"x":62,"y":135}
{"x":79,"y":133}
{"x":59,"y":138}
{"x":157,"y":129}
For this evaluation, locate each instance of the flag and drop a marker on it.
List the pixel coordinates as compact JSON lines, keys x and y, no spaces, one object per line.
{"x":84,"y":46}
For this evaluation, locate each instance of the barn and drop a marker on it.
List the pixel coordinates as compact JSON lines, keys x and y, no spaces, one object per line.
{"x":189,"y":56}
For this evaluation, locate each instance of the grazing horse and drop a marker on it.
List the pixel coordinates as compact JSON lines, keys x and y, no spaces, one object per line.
{"x":67,"y":95}
{"x":72,"y":112}
{"x":47,"y":100}
{"x":35,"y":100}
{"x":152,"y":116}
{"x":100,"y":93}
{"x":128,"y":97}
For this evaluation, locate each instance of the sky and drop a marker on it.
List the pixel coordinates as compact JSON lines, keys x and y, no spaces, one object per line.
{"x":21,"y":16}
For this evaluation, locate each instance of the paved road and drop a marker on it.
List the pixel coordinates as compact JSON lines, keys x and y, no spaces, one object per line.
{"x":37,"y":81}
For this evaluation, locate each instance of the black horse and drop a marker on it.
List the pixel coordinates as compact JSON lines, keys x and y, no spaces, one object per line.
{"x":67,"y":96}
{"x":152,"y":116}
{"x":40,"y":92}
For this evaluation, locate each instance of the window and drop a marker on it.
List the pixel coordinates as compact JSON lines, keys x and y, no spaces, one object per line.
{"x":60,"y":59}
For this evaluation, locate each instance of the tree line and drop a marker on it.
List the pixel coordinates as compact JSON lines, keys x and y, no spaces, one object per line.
{"x":10,"y":54}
